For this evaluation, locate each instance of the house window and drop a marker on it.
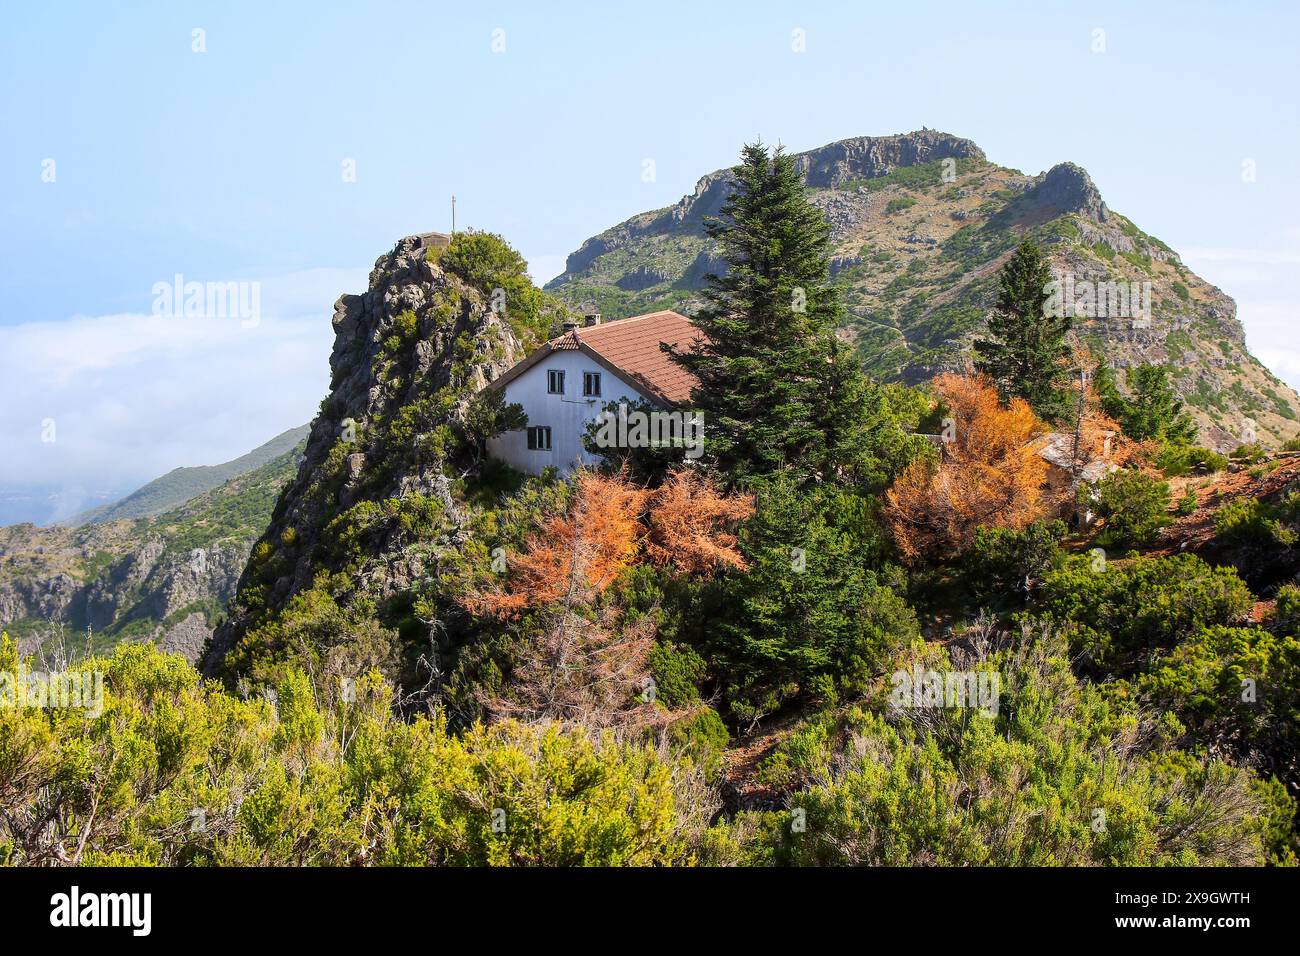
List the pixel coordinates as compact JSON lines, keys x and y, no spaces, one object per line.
{"x":539,"y":437}
{"x":555,"y":382}
{"x":591,"y":384}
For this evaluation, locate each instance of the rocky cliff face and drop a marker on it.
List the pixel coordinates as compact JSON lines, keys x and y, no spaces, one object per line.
{"x":391,"y":440}
{"x":920,"y":224}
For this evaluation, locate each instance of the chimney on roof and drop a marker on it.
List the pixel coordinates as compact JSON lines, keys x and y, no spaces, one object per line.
{"x":591,"y":318}
{"x":569,"y":326}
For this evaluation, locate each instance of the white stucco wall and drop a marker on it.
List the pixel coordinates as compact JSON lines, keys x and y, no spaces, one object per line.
{"x":567,"y":415}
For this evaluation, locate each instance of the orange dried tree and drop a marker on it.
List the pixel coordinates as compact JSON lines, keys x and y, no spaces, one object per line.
{"x":580,"y":665}
{"x":686,"y":525}
{"x":989,"y":473}
{"x":576,"y":555}
{"x":690,"y":522}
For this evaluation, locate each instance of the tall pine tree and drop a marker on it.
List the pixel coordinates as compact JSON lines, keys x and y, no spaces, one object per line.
{"x":1026,"y":353}
{"x":778,"y":393}
{"x":1153,"y":411}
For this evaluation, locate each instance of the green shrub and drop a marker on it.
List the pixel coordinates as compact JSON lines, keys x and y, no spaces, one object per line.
{"x":1135,"y":507}
{"x":1249,"y":454}
{"x":678,"y":670}
{"x":1174,"y":460}
{"x":701,"y":738}
{"x":1250,"y":522}
{"x":1006,"y":561}
{"x":318,"y":634}
{"x":1118,"y":615}
{"x":1286,"y":614}
{"x":488,"y":262}
{"x":1236,"y":689}
{"x":1231,"y":682}
{"x":875,"y":786}
{"x":178,"y":772}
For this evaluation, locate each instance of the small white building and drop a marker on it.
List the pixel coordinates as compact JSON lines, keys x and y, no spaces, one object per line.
{"x":565,"y":384}
{"x":1070,"y":469}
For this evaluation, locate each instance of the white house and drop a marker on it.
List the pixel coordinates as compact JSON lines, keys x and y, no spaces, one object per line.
{"x":564,"y":385}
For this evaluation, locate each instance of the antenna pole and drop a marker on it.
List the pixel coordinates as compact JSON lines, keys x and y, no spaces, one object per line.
{"x":453,"y":214}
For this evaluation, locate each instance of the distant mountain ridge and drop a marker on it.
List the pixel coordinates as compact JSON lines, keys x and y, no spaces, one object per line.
{"x":163,"y":578}
{"x":920,"y":224}
{"x":183,"y":484}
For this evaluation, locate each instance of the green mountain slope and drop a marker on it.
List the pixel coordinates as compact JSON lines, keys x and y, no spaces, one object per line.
{"x":921,"y":222}
{"x":181,"y":484}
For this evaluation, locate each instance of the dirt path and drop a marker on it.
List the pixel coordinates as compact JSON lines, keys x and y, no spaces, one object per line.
{"x":1194,"y":531}
{"x":741,"y":791}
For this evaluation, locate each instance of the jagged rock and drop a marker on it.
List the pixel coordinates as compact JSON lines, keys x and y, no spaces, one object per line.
{"x":705,"y":264}
{"x":642,"y":278}
{"x":1068,"y":188}
{"x":867,"y":157}
{"x":365,"y":395}
{"x":187,"y":637}
{"x":111,"y":574}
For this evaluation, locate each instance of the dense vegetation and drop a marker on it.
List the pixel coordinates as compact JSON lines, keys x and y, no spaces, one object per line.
{"x":541,"y":671}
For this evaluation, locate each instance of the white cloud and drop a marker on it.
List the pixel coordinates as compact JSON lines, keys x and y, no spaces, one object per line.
{"x":132,"y":396}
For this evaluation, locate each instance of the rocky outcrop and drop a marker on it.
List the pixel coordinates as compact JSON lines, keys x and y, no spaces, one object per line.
{"x":146,"y":584}
{"x":38,"y":598}
{"x":409,"y":355}
{"x":869,"y":157}
{"x":163,"y":579}
{"x":833,"y":165}
{"x":1067,"y":188}
{"x":187,"y":637}
{"x":641,"y":278}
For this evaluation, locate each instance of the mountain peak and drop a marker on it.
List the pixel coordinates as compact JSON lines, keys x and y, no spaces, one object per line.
{"x":920,"y":223}
{"x":869,"y":157}
{"x":1067,"y":188}
{"x":831,"y":166}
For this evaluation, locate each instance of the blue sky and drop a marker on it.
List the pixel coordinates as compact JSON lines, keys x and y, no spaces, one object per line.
{"x":227,"y":165}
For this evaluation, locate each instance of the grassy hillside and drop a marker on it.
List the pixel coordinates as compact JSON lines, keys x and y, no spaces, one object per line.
{"x":181,"y":484}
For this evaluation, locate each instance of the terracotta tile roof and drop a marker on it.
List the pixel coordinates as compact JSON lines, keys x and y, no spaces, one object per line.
{"x":630,"y":347}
